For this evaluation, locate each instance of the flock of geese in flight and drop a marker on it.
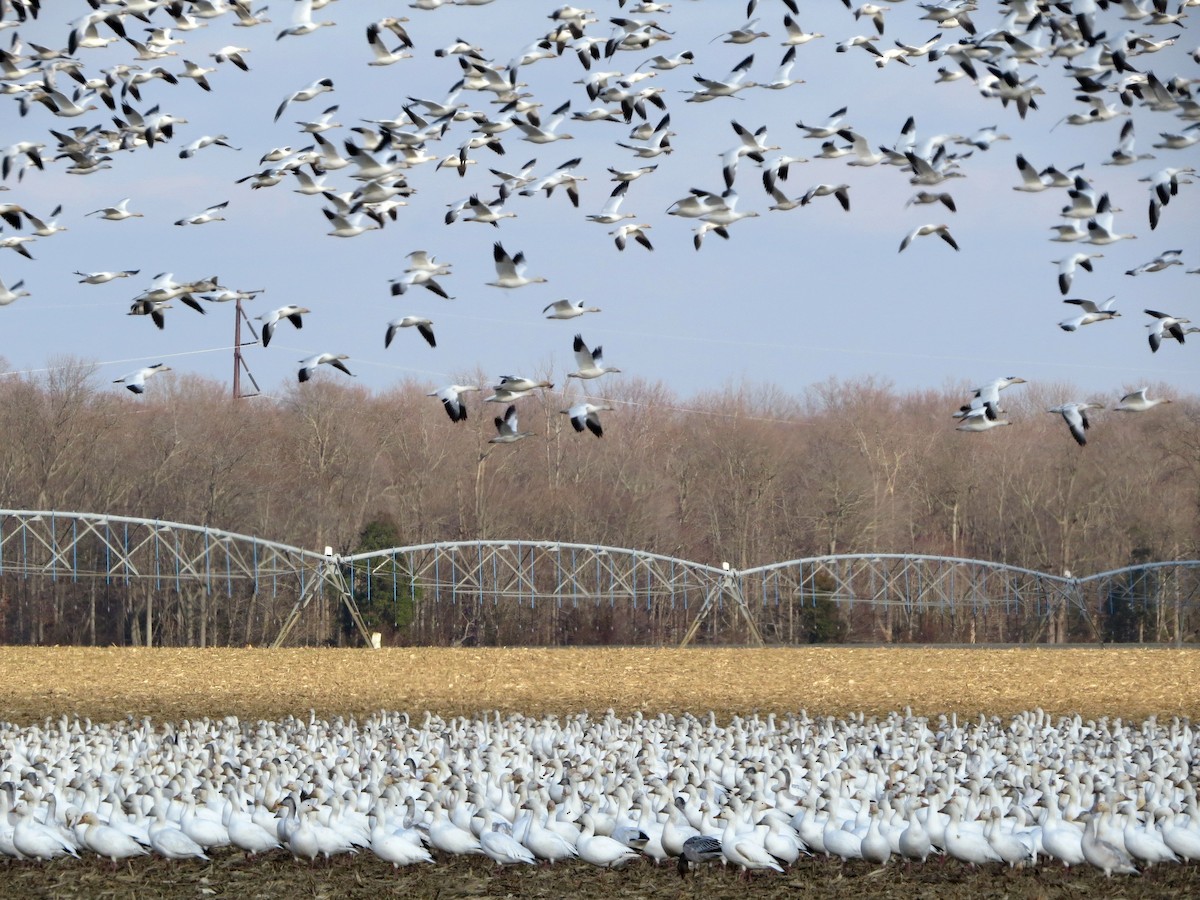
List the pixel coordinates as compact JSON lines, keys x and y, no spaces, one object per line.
{"x":756,"y":794}
{"x":99,"y":119}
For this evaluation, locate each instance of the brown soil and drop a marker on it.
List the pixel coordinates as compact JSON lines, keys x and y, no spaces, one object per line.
{"x":110,"y":684}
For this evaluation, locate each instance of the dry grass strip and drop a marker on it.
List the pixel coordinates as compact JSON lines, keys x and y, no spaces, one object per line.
{"x":108,"y":684}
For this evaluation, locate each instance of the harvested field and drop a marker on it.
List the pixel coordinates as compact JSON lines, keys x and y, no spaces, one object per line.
{"x":112,"y":684}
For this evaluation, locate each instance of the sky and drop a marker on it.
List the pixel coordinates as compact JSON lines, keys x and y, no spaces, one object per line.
{"x":793,"y":298}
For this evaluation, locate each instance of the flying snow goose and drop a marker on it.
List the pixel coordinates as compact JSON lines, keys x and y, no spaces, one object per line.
{"x":1137,"y":401}
{"x":1075,"y":415}
{"x":136,"y":381}
{"x":610,"y":214}
{"x":840,"y":191}
{"x":942,"y":231}
{"x":520,"y":385}
{"x":1163,"y":324}
{"x":565,"y":309}
{"x":306,"y":93}
{"x":290,"y":313}
{"x":927,"y":197}
{"x":423,"y":325}
{"x":1091,"y":314}
{"x":302,"y":21}
{"x":1100,"y":231}
{"x":381,"y":55}
{"x":637,"y":232}
{"x":510,"y":270}
{"x":829,"y":129}
{"x":589,"y":361}
{"x":211,"y":214}
{"x":17,"y":242}
{"x":451,"y":397}
{"x":116,"y":213}
{"x":11,"y":294}
{"x":147,"y":306}
{"x":1164,"y":260}
{"x":1068,"y":264}
{"x":43,"y":228}
{"x":347,"y":228}
{"x":422,"y":277}
{"x":735,"y":81}
{"x":586,"y":415}
{"x":507,"y":429}
{"x":334,"y":359}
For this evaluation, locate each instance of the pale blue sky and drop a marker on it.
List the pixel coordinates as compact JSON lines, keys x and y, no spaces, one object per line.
{"x":793,"y":298}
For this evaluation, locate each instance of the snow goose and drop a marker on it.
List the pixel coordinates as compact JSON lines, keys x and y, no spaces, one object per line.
{"x":601,"y":850}
{"x":290,"y":313}
{"x":699,"y":203}
{"x":391,"y":847}
{"x":148,"y":306}
{"x":1068,"y":264}
{"x":315,"y":89}
{"x":381,"y":55}
{"x":116,"y":213}
{"x":697,"y":849}
{"x":735,"y":81}
{"x":500,"y":846}
{"x":422,"y":277}
{"x":333,"y":359}
{"x":1102,"y":853}
{"x":829,"y":129}
{"x":544,"y":842}
{"x":533,"y":131}
{"x":17,"y":242}
{"x":423,"y":325}
{"x":451,"y":397}
{"x":302,"y":21}
{"x":965,"y":842}
{"x":43,"y":228}
{"x":10,"y":295}
{"x":927,"y":197}
{"x":169,"y":841}
{"x":977,"y":420}
{"x":510,"y":270}
{"x":565,"y":309}
{"x":347,"y":228}
{"x":586,"y":415}
{"x":666,"y":63}
{"x":136,"y":381}
{"x":1164,"y":325}
{"x":1100,"y":231}
{"x":1164,"y":260}
{"x":1137,"y":401}
{"x":230,"y":53}
{"x":840,"y":191}
{"x":507,"y":433}
{"x":104,"y":277}
{"x":637,"y":232}
{"x":588,"y":361}
{"x":745,"y":848}
{"x":108,"y":842}
{"x":1091,"y":314}
{"x":942,"y":231}
{"x":1145,"y":842}
{"x":609,"y":214}
{"x":519,"y":384}
{"x":211,"y":214}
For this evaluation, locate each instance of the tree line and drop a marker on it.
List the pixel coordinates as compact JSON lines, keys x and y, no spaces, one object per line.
{"x":747,"y":474}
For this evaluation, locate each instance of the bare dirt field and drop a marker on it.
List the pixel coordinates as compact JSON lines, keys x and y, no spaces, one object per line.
{"x":112,"y":684}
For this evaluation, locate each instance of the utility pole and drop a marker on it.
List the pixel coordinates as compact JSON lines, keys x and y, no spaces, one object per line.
{"x":239,"y":363}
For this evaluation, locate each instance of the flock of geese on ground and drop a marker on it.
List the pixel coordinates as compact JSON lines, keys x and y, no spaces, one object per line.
{"x":756,"y":793}
{"x":1104,"y":50}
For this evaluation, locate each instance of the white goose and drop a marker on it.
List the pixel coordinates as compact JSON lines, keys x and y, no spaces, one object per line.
{"x":586,"y":415}
{"x":1138,"y":401}
{"x":1075,"y":415}
{"x":424,"y":327}
{"x":601,"y":850}
{"x":107,"y":842}
{"x":1092,"y":313}
{"x":11,"y":295}
{"x":136,"y":381}
{"x":507,"y":429}
{"x":290,"y":313}
{"x":332,"y":359}
{"x":510,"y":270}
{"x":117,"y":213}
{"x":588,"y":361}
{"x":565,"y":309}
{"x":451,"y":397}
